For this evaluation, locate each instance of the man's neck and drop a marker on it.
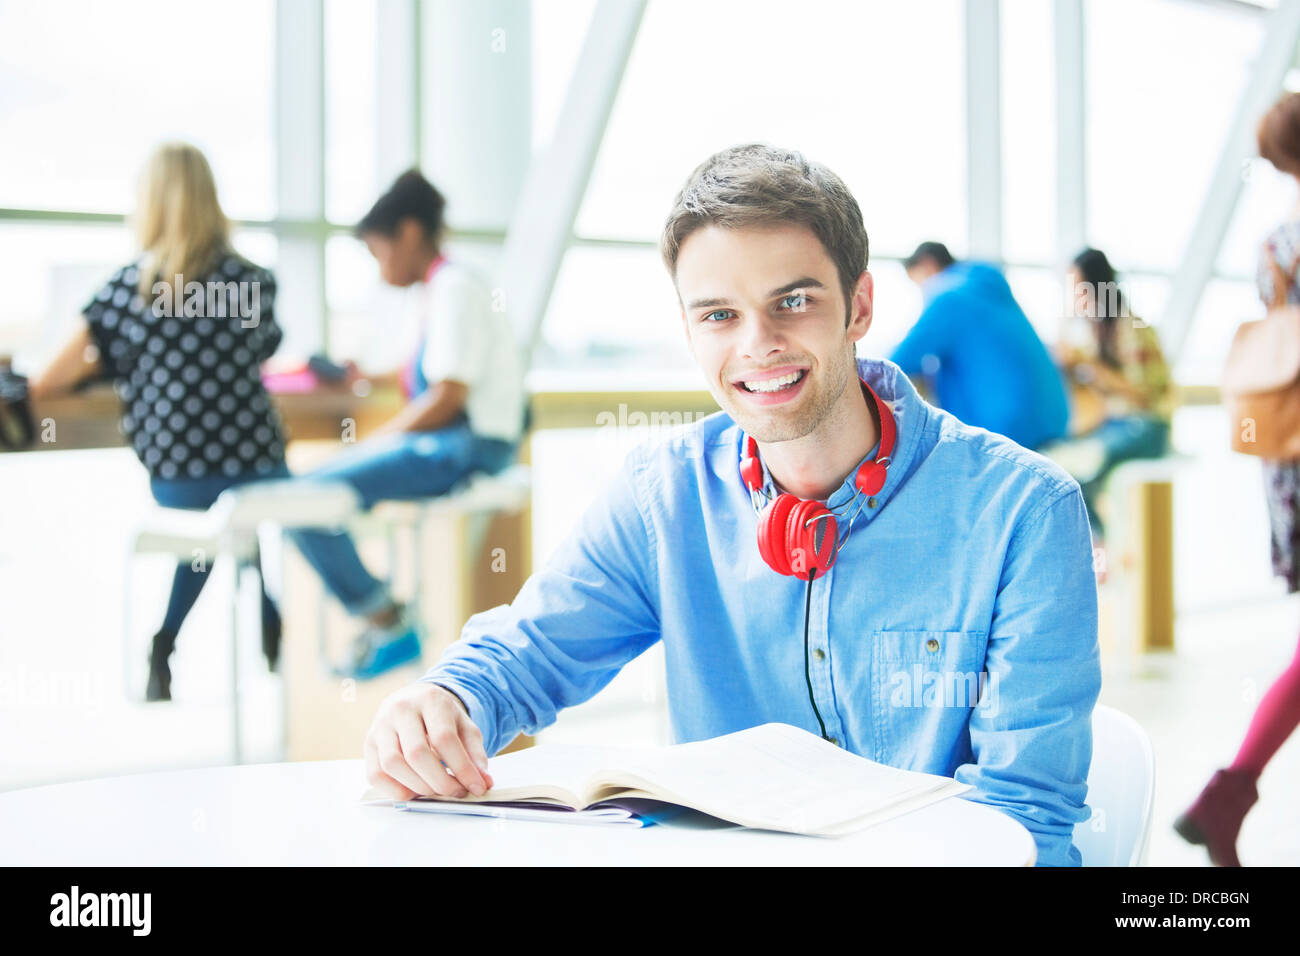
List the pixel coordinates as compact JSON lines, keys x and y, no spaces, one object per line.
{"x":428,"y":256}
{"x":816,"y":465}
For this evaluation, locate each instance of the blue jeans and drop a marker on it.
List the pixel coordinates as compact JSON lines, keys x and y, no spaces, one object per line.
{"x":406,"y":466}
{"x":1124,"y":439}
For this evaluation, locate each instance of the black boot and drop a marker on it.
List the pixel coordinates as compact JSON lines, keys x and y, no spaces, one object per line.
{"x":271,"y":633}
{"x":160,"y":675}
{"x":272,"y":629}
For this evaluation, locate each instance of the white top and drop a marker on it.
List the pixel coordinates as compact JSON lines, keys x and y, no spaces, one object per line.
{"x":308,"y":814}
{"x":470,"y":340}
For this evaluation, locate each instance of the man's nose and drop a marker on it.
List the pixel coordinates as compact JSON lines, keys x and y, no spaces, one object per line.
{"x":761,"y":335}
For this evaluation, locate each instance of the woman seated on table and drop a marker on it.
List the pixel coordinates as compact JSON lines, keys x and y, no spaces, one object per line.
{"x":1118,"y":368}
{"x":182,"y":331}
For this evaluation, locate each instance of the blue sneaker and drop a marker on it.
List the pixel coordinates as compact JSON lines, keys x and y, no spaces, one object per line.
{"x":379,"y":651}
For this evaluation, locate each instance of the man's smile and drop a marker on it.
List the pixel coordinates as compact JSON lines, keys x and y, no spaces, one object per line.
{"x":772,"y":386}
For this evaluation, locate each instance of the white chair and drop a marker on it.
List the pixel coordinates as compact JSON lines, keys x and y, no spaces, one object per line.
{"x":1121,"y":792}
{"x":229,"y":529}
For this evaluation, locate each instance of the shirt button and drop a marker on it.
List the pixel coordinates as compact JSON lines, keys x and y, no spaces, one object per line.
{"x":835,"y":741}
{"x":819,"y":654}
{"x":932,"y":645}
{"x":871,"y":502}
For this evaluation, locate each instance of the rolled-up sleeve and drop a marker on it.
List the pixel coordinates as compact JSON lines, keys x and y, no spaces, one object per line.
{"x":573,"y":626}
{"x":1033,"y":743}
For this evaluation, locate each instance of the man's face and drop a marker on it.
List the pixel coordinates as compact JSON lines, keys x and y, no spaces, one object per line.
{"x":761,"y":306}
{"x":398,"y":255}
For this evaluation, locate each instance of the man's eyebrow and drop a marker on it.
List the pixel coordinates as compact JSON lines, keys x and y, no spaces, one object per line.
{"x":806,"y":282}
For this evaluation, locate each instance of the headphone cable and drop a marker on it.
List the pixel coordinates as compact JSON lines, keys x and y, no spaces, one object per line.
{"x":807,"y":674}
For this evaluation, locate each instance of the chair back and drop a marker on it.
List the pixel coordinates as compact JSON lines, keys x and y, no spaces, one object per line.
{"x":1121,"y":792}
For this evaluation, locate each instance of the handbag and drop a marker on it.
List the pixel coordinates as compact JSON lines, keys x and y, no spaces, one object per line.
{"x":1261,"y":377}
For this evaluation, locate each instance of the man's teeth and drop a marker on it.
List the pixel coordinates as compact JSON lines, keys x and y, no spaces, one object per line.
{"x":773,"y":384}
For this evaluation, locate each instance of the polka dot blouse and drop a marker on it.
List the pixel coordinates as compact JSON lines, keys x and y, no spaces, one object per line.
{"x":188,"y":370}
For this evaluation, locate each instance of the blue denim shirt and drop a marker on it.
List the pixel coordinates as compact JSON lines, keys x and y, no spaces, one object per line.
{"x":955,"y":634}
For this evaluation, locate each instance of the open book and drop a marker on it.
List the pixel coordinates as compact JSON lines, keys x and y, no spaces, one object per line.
{"x":770,"y":777}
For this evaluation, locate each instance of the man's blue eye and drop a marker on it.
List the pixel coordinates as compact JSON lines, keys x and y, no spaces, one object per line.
{"x":721,"y":312}
{"x":799,"y":300}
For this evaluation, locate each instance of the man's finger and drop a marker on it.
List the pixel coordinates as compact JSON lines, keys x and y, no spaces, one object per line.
{"x":473,"y":740}
{"x":446,"y":741}
{"x":382,"y":781}
{"x":420,"y":757}
{"x":394,"y":764}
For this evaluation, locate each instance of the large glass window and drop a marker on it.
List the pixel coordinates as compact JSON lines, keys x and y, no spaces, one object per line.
{"x":613,"y":305}
{"x":1159,"y":101}
{"x":350,"y":109}
{"x":842,"y":83}
{"x":48,"y":273}
{"x":877,"y":99}
{"x":86,"y":89}
{"x":1028,"y":142}
{"x":558,"y":32}
{"x":1267,"y":198}
{"x":1224,"y":304}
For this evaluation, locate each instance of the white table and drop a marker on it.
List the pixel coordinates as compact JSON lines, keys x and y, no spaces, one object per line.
{"x":309,"y":814}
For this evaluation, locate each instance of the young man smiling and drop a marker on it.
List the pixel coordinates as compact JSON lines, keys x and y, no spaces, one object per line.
{"x":957,"y":553}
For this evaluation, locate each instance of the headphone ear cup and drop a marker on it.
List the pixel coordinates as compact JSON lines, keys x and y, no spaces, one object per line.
{"x":802,"y":537}
{"x":772,"y":532}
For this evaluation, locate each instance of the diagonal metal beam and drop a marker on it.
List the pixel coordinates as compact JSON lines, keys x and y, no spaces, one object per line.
{"x":1281,"y":33}
{"x":542,"y":224}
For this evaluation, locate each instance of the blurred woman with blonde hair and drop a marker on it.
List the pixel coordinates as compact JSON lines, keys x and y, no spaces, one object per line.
{"x":182,"y":332}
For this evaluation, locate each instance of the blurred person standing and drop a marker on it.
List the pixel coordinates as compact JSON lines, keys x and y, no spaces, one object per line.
{"x":988,"y":365}
{"x":1120,"y":361}
{"x":1214,"y":819}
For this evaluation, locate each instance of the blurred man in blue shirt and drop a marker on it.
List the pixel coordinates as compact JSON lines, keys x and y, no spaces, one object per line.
{"x":945,"y":622}
{"x":988,"y":365}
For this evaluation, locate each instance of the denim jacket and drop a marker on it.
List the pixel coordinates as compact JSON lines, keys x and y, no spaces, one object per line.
{"x":956,"y":632}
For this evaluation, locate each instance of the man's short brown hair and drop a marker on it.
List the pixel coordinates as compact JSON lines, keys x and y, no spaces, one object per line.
{"x":756,"y":184}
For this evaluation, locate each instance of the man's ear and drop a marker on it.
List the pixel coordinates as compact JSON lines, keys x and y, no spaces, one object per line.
{"x":861,"y":307}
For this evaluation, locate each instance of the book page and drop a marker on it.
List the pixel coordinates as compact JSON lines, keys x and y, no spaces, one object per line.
{"x":777,"y":776}
{"x":554,"y":770}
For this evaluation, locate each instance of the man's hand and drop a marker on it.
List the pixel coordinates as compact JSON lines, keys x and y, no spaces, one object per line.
{"x":417,"y":730}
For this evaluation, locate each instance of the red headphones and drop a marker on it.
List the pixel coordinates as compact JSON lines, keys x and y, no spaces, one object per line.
{"x":798,"y":536}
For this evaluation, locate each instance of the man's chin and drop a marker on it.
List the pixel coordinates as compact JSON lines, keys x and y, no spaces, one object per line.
{"x":774,"y":426}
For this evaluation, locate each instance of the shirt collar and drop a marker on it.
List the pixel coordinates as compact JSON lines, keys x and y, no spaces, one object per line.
{"x":896,"y":390}
{"x":434,"y":266}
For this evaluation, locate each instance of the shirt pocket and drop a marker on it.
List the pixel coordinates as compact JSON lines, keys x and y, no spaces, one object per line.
{"x":924,"y":685}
